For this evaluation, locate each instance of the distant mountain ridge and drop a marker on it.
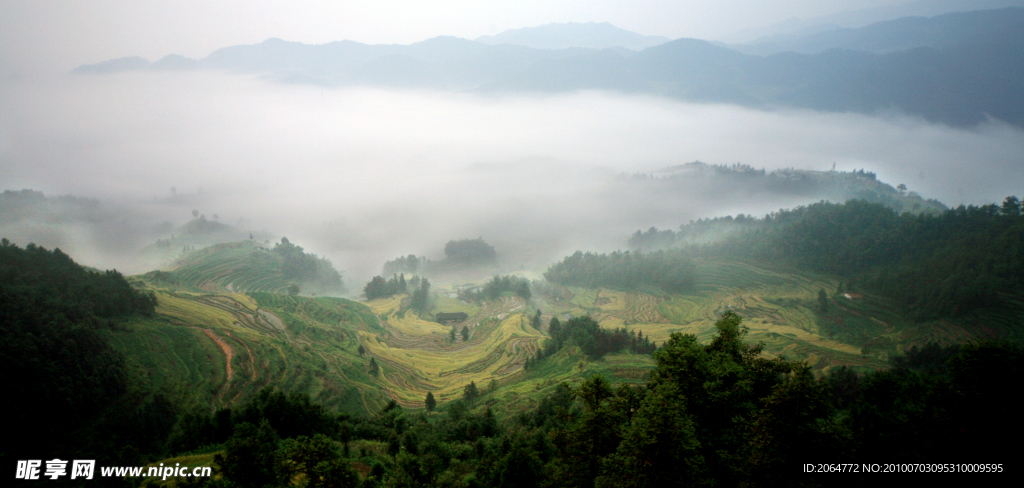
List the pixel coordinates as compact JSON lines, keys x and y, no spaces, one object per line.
{"x":962,"y":69}
{"x":1001,"y":26}
{"x":589,"y":35}
{"x":794,"y":28}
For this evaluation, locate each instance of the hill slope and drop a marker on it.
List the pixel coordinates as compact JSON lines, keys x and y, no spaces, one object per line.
{"x":252,"y":266}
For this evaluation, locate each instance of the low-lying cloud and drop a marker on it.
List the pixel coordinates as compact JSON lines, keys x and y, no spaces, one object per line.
{"x":362,"y":175}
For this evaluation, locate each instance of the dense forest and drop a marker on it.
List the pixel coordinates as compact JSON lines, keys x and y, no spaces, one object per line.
{"x":498,"y":285}
{"x":378,"y":287}
{"x":671,"y":270}
{"x":961,"y":261}
{"x":308,"y":268}
{"x":470,"y":252}
{"x":592,"y":340}
{"x":76,"y":394}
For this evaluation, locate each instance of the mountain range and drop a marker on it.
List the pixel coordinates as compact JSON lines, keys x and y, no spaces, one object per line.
{"x":959,"y":69}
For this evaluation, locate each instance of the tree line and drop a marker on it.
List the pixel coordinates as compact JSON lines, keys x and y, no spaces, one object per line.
{"x":965,"y":260}
{"x":498,"y":285}
{"x":594,"y":341}
{"x":300,"y":266}
{"x":670,"y":270}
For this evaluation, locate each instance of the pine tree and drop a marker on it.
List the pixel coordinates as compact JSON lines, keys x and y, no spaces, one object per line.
{"x":430,"y":402}
{"x":471,"y":393}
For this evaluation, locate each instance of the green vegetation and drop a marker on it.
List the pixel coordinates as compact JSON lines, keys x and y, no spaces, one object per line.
{"x":307,"y":268}
{"x":671,"y":271}
{"x":470,"y":252}
{"x":715,"y":413}
{"x":964,"y":261}
{"x":298,"y":390}
{"x":249,"y":266}
{"x":378,"y":287}
{"x":592,"y":340}
{"x":498,"y":286}
{"x":76,"y":394}
{"x":410,"y":264}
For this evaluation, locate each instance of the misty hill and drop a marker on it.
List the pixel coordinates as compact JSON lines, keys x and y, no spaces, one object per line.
{"x":197,"y":233}
{"x":132,"y":63}
{"x":837,"y":186}
{"x":588,"y":35}
{"x":1002,"y":26}
{"x":962,"y":84}
{"x":251,"y":266}
{"x":962,"y":263}
{"x":28,"y":204}
{"x":794,"y":28}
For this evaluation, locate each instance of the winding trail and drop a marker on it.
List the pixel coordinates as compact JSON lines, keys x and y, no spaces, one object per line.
{"x":229,"y":355}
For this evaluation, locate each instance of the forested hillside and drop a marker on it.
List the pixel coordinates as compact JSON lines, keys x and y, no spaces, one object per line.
{"x":76,"y":395}
{"x":957,"y":263}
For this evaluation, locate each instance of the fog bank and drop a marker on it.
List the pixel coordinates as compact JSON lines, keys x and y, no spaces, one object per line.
{"x":362,"y":175}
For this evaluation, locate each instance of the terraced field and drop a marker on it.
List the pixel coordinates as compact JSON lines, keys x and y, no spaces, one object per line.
{"x":226,"y":346}
{"x":777,"y":307}
{"x":242,"y":266}
{"x":418,"y":356}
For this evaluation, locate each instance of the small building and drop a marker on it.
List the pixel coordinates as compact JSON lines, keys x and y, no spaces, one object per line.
{"x":447,"y":318}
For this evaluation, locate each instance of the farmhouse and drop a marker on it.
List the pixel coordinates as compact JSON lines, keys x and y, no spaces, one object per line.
{"x":447,"y":318}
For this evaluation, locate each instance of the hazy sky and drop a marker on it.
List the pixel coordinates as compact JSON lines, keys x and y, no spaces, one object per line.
{"x":63,"y":34}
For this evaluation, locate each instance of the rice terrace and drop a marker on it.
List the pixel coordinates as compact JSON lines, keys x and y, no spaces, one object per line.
{"x":228,"y":344}
{"x":328,"y":245}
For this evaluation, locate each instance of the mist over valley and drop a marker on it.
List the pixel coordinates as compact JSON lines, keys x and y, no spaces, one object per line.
{"x":361,"y":175}
{"x":569,"y":246}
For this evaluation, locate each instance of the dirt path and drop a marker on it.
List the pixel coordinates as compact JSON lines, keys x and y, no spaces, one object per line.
{"x":229,"y":352}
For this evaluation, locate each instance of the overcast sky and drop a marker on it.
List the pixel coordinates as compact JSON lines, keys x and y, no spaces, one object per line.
{"x":58,"y":35}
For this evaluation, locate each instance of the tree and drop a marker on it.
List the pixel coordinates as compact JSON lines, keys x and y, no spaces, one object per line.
{"x":318,"y":459}
{"x":430,"y":402}
{"x":470,"y":392}
{"x":374,"y":369}
{"x":451,"y":334}
{"x":823,"y":302}
{"x":421,"y":297}
{"x":249,"y":456}
{"x":361,"y":350}
{"x":1011,"y":207}
{"x":470,"y":251}
{"x":195,"y":214}
{"x":465,"y":333}
{"x":535,"y":321}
